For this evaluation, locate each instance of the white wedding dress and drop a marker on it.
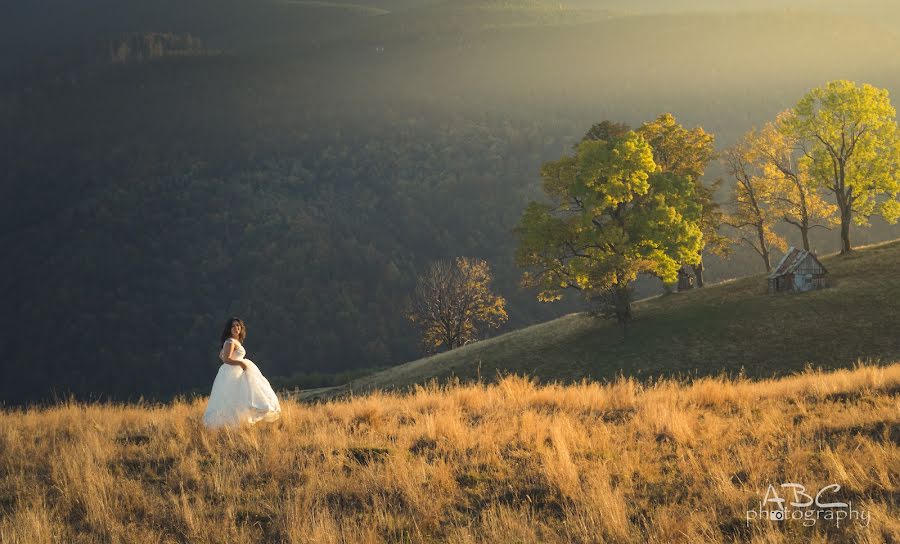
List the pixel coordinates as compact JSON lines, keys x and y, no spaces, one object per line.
{"x":240,"y":396}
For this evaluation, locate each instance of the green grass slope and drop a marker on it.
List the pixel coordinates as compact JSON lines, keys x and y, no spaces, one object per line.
{"x":722,"y":328}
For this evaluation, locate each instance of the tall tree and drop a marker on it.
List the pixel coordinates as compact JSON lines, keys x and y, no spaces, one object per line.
{"x":849,"y":140}
{"x":686,"y":153}
{"x":794,"y":195}
{"x":614,"y":215}
{"x":753,"y":215}
{"x":453,"y":302}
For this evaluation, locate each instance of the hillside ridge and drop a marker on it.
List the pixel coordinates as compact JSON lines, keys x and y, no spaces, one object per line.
{"x":730,"y":327}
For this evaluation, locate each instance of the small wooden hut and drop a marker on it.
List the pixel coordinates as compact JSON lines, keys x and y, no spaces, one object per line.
{"x":798,"y":271}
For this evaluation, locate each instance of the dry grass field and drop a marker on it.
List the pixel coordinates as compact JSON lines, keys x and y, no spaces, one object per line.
{"x":514,"y":461}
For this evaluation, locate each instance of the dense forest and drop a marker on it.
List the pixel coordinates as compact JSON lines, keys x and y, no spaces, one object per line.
{"x":298,"y":164}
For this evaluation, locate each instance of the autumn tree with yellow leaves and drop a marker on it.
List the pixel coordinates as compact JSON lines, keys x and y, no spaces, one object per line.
{"x":794,"y":194}
{"x":754,"y":211}
{"x":453,"y":303}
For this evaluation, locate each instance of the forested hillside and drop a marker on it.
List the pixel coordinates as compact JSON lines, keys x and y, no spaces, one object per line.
{"x":298,"y":164}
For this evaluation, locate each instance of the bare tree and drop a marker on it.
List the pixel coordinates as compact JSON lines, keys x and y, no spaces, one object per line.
{"x":453,"y":302}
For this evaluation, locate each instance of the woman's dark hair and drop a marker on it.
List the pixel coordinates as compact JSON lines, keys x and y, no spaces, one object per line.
{"x":226,"y":333}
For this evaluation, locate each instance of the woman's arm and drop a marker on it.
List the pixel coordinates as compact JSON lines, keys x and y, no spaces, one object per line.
{"x":227,"y":352}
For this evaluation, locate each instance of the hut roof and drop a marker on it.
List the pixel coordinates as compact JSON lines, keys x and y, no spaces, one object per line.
{"x":792,"y":260}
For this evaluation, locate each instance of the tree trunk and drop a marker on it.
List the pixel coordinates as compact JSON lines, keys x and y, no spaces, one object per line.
{"x":450,"y":339}
{"x":623,"y":304}
{"x":804,"y":232}
{"x":684,"y":282}
{"x":698,"y":272}
{"x":804,"y":217}
{"x":764,"y":248}
{"x":845,"y":230}
{"x":845,"y":205}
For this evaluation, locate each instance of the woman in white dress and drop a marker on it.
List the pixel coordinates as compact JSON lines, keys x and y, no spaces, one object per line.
{"x":240,"y":393}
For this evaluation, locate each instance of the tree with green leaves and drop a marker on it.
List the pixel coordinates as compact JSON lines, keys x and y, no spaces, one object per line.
{"x":453,"y":302}
{"x":606,"y":131}
{"x":849,"y":141}
{"x":613,"y":215}
{"x":686,"y":152}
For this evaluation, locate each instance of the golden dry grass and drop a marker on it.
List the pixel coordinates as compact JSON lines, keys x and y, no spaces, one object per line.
{"x":506,"y":462}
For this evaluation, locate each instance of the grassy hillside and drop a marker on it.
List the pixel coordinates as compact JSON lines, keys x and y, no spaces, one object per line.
{"x":508,"y":463}
{"x":726,"y":327}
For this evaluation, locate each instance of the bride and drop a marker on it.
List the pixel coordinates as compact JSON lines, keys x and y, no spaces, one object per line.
{"x":240,"y":393}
